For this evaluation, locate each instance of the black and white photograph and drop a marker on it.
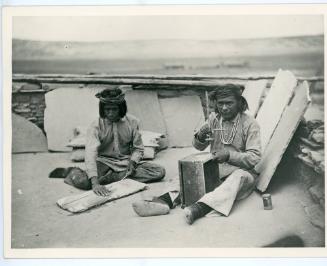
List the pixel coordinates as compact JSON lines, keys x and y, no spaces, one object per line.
{"x":169,"y":129}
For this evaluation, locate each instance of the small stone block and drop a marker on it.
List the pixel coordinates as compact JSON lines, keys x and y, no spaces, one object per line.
{"x":316,"y":193}
{"x":316,"y":215}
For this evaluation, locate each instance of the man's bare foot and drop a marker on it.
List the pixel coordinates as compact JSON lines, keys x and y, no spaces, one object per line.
{"x":189,"y":217}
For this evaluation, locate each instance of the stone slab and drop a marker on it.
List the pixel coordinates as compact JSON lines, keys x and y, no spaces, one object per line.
{"x":66,"y":109}
{"x":283,"y":134}
{"x":150,"y":139}
{"x":87,"y":200}
{"x":149,"y":153}
{"x":144,"y":104}
{"x":69,"y":108}
{"x":78,"y":155}
{"x":182,"y":116}
{"x":278,"y":97}
{"x":253,"y":93}
{"x":27,"y":137}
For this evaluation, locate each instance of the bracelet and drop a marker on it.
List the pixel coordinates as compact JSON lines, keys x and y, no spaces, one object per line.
{"x":94,"y":180}
{"x":228,"y":156}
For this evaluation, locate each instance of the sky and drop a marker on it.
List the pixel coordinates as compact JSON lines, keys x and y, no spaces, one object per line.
{"x":111,"y":28}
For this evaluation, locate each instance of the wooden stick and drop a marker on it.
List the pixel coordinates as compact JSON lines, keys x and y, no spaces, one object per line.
{"x":106,"y":77}
{"x":207,"y":104}
{"x":119,"y":81}
{"x":171,"y":82}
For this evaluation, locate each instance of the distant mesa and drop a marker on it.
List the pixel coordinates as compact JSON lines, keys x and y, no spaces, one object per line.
{"x":226,"y":64}
{"x":174,"y":66}
{"x":185,"y":66}
{"x":235,"y":64}
{"x":172,"y":49}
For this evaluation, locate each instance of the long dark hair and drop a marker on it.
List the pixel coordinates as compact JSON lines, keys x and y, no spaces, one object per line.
{"x":112,"y":93}
{"x":122,"y":109}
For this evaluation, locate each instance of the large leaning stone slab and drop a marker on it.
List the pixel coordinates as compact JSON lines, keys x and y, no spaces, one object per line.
{"x":87,"y":200}
{"x":66,"y":109}
{"x":283,"y":134}
{"x":182,"y":116}
{"x":278,"y":97}
{"x":253,"y":93}
{"x":27,"y":137}
{"x":145,"y":106}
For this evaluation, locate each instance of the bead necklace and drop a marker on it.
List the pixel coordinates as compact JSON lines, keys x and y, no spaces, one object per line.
{"x":232,"y":134}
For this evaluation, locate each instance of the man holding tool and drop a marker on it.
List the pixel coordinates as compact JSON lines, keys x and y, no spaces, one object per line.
{"x":234,"y":139}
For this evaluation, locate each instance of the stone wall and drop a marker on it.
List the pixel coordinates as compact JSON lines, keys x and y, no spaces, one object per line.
{"x":30,"y":105}
{"x":305,"y":172}
{"x":28,"y":100}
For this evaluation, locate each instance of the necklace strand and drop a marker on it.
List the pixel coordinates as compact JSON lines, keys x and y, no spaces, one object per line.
{"x":232,"y":134}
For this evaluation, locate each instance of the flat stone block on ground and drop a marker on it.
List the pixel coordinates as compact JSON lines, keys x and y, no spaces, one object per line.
{"x":27,"y":137}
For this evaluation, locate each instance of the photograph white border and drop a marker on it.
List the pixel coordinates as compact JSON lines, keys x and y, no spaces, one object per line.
{"x":10,"y":12}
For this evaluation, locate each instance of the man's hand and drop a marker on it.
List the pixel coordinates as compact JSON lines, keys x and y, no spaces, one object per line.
{"x":131,"y":168}
{"x":203,"y":134}
{"x":99,"y":189}
{"x":221,"y":156}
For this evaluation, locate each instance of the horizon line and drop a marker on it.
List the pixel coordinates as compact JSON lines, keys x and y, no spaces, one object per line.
{"x":173,"y":39}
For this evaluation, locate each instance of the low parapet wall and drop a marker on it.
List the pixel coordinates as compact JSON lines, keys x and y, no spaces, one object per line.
{"x":28,"y":90}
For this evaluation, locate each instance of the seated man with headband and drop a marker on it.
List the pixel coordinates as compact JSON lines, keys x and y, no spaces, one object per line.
{"x":114,"y":148}
{"x":236,"y":147}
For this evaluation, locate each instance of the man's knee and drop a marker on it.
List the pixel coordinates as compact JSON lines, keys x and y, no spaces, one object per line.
{"x":161,"y":172}
{"x":84,"y":184}
{"x":79,"y":179}
{"x":244,"y":175}
{"x":153,"y":172}
{"x":246,"y":185}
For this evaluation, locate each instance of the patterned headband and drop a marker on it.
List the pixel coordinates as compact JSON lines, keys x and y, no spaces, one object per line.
{"x":111,"y":99}
{"x":229,"y":91}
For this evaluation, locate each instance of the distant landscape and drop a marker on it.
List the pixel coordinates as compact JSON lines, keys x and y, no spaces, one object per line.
{"x":303,"y":55}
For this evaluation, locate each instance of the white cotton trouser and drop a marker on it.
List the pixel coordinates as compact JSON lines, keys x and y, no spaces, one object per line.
{"x":238,"y":185}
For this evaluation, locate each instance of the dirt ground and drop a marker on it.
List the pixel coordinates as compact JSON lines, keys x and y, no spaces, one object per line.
{"x":37,"y":222}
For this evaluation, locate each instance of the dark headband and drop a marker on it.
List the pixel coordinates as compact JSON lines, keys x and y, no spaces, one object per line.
{"x":229,"y":90}
{"x":109,"y":98}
